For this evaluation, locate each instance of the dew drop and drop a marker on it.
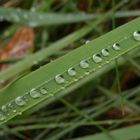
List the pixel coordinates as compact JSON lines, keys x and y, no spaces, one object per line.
{"x":2,"y":116}
{"x":20,"y":101}
{"x":84,"y":64}
{"x":136,"y":35}
{"x":105,"y":52}
{"x":116,"y":47}
{"x":10,"y":106}
{"x":97,"y":58}
{"x":43,"y":91}
{"x":59,"y":79}
{"x":71,"y":72}
{"x":34,"y":93}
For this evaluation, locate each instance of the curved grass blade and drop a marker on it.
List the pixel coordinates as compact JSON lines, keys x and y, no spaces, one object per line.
{"x":56,"y":76}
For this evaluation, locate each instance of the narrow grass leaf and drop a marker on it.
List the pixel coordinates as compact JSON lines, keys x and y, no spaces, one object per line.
{"x":56,"y":76}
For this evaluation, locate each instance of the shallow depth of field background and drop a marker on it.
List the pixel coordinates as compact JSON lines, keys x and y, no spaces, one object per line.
{"x":83,"y":111}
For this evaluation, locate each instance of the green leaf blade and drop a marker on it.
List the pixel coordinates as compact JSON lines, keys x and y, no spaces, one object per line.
{"x":45,"y":76}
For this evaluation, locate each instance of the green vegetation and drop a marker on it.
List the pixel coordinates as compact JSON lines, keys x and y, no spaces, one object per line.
{"x":66,"y":84}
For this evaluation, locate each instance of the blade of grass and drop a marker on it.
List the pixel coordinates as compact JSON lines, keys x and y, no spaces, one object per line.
{"x":80,"y":83}
{"x":33,"y":18}
{"x":38,"y":80}
{"x":44,"y":77}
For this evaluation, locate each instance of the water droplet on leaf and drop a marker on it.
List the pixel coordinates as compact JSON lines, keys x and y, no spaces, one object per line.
{"x":35,"y":93}
{"x":4,"y":108}
{"x":136,"y":35}
{"x":97,"y":58}
{"x":59,"y":79}
{"x":71,"y":72}
{"x":116,"y":47}
{"x":11,"y":107}
{"x":84,"y":64}
{"x":105,"y":52}
{"x":43,"y":91}
{"x":20,"y":101}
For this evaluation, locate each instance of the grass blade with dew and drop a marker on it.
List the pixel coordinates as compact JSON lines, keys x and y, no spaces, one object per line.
{"x":47,"y":81}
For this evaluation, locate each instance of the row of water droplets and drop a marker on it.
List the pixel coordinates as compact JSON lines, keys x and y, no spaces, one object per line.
{"x":97,"y":58}
{"x":21,"y":101}
{"x":84,"y":64}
